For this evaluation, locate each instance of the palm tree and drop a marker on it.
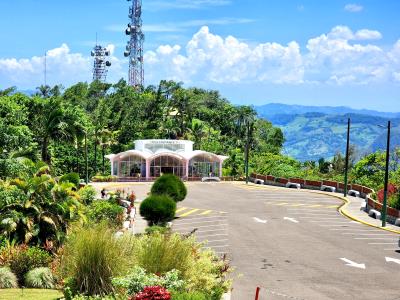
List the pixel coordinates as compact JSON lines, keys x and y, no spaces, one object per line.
{"x":197,"y":131}
{"x":106,"y":139}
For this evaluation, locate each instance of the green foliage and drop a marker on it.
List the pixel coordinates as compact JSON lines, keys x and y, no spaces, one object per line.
{"x":7,"y":278}
{"x":155,"y":228}
{"x":104,"y":210}
{"x":42,"y":211}
{"x":158,"y":209}
{"x":93,"y":256}
{"x":138,"y":279}
{"x":370,"y":170}
{"x":394,"y":201}
{"x":200,"y":269}
{"x":189,"y":296}
{"x":87,"y":194}
{"x":40,"y":278}
{"x":28,"y":259}
{"x":71,"y":178}
{"x":101,"y":178}
{"x":277,"y":165}
{"x":170,"y":185}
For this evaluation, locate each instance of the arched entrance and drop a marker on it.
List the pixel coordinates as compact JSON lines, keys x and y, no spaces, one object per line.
{"x":204,"y":165}
{"x":167,"y":164}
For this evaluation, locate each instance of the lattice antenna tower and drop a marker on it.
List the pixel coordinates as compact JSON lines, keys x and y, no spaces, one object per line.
{"x":101,"y":62}
{"x":134,"y":47}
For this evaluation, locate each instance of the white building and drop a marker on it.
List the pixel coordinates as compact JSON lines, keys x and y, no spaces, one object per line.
{"x":152,"y":158}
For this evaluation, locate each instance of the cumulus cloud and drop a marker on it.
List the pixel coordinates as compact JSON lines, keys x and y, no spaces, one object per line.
{"x":184,"y":4}
{"x":336,"y":57}
{"x":339,"y":57}
{"x":62,"y":65}
{"x":353,"y":8}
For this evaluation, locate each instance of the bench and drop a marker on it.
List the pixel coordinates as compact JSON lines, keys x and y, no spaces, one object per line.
{"x":354,"y":193}
{"x":293,"y":185}
{"x":327,"y":188}
{"x":258,"y":181}
{"x":374,"y":214}
{"x":205,"y":179}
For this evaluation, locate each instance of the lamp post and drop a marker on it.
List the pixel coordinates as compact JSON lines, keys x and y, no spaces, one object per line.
{"x":247,"y":151}
{"x":86,"y":160}
{"x":347,"y":158}
{"x":385,"y":189}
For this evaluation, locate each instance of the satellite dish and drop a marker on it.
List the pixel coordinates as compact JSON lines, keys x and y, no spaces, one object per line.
{"x":129,"y":25}
{"x":128,"y":31}
{"x":108,"y":63}
{"x":107,"y":53}
{"x":126,"y":53}
{"x":92,"y":53}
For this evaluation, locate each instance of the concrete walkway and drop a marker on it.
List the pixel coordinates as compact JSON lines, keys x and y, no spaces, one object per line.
{"x":354,"y":209}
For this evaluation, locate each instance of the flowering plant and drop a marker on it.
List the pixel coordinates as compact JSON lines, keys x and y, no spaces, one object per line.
{"x":153,"y":293}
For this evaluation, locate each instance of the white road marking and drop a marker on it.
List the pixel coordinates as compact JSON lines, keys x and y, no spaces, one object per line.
{"x":315,"y":218}
{"x":390,"y":259}
{"x":259,"y":220}
{"x":330,"y":221}
{"x":382,"y":243}
{"x":291,"y":219}
{"x":352,"y":229}
{"x":376,"y":238}
{"x":352,"y":263}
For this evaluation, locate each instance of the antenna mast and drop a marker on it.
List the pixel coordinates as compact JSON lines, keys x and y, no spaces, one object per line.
{"x":101,"y":63}
{"x":134,"y":48}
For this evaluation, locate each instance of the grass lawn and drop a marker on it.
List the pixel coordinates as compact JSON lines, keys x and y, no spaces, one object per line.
{"x":29,"y":294}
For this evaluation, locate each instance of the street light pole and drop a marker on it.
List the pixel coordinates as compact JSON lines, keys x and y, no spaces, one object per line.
{"x":247,"y":151}
{"x":86,"y":159}
{"x":385,"y":190}
{"x":347,"y":158}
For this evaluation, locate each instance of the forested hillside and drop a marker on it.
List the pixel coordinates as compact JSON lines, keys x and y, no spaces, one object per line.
{"x":52,"y":124}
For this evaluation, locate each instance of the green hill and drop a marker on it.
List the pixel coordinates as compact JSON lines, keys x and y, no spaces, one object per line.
{"x":312,"y":135}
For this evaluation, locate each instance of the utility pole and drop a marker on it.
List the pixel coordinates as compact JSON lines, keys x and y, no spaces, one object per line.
{"x":347,"y":158}
{"x":384,"y":204}
{"x":86,"y":159}
{"x":247,"y":151}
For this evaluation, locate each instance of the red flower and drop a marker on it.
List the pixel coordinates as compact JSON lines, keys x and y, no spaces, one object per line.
{"x":153,"y":293}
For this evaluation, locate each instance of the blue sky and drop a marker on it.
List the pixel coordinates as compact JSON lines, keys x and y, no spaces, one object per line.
{"x":253,"y":52}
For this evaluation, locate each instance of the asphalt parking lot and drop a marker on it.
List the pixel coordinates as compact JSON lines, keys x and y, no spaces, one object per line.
{"x":293,"y":244}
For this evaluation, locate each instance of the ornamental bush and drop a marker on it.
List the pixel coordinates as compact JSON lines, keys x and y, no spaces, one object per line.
{"x":170,"y":185}
{"x":189,"y":296}
{"x":104,"y":210}
{"x":39,"y":278}
{"x":153,"y":293}
{"x":158,"y":209}
{"x":28,"y":259}
{"x":71,"y":178}
{"x":7,"y":278}
{"x":87,"y":194}
{"x":92,"y":257}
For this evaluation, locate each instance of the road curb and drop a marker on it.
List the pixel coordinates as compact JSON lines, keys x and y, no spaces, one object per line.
{"x":345,"y":213}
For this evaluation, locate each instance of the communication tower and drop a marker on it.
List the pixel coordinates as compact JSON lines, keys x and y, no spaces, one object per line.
{"x":101,"y":64}
{"x":134,"y":47}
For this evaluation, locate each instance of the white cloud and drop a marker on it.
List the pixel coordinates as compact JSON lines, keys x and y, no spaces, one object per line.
{"x":62,"y":66}
{"x":338,"y":57}
{"x":353,"y":8}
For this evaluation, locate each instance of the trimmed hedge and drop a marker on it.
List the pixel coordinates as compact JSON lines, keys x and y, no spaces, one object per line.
{"x":170,"y":185}
{"x":158,"y":209}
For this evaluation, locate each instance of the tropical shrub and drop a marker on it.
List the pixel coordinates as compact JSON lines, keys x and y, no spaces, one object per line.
{"x":104,"y":210}
{"x":138,"y":279}
{"x":153,"y":293}
{"x":106,"y":178}
{"x":158,"y":209}
{"x":7,"y":278}
{"x":93,"y":256}
{"x":200,"y":269}
{"x":394,"y":201}
{"x":71,"y":178}
{"x":170,"y":185}
{"x":40,"y":278}
{"x":28,"y":259}
{"x":189,"y":296}
{"x":87,"y":194}
{"x":155,"y":228}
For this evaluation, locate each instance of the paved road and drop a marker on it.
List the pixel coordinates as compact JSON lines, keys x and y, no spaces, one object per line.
{"x":293,"y":244}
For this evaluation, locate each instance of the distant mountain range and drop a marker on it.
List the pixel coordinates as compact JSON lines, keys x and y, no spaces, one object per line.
{"x":312,"y":132}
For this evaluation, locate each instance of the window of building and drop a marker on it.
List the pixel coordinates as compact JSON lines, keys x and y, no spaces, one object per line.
{"x":167,"y":165}
{"x":204,"y":166}
{"x":132,"y":166}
